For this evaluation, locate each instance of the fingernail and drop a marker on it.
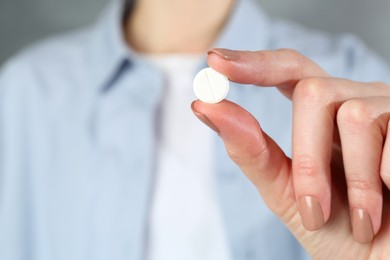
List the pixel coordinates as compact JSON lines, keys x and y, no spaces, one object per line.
{"x":225,"y":54}
{"x":311,"y":213}
{"x":362,"y":226}
{"x":204,"y":119}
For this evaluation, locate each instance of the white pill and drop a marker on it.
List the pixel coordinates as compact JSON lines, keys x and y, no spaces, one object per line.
{"x":210,"y":86}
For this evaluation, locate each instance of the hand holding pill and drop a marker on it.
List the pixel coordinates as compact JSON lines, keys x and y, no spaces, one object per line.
{"x":334,"y":182}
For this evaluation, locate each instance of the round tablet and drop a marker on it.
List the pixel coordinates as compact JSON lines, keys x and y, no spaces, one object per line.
{"x":211,"y":86}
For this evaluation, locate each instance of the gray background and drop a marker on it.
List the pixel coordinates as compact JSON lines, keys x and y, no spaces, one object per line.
{"x":23,"y":22}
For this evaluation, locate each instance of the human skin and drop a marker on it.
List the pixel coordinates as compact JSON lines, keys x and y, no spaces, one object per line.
{"x":340,"y":153}
{"x":176,"y":26}
{"x":339,"y":131}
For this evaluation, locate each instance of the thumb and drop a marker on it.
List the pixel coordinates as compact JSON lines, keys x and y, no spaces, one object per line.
{"x":257,"y":155}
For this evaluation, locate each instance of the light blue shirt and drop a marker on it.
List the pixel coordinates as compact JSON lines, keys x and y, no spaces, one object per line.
{"x":77,"y":140}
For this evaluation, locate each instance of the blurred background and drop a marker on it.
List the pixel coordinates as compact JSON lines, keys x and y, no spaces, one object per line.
{"x":23,"y":22}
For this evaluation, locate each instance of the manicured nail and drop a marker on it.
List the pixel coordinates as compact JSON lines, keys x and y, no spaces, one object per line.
{"x":362,"y":226}
{"x":226,"y":54}
{"x":311,"y":213}
{"x":204,"y":119}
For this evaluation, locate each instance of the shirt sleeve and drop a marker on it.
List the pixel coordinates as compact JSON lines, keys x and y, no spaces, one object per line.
{"x":15,"y":100}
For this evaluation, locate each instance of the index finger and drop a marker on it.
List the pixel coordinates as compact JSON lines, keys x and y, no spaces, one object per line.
{"x":282,"y":68}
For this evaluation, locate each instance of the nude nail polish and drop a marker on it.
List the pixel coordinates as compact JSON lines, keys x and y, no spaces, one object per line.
{"x":311,"y":213}
{"x":226,"y":54}
{"x":362,"y":226}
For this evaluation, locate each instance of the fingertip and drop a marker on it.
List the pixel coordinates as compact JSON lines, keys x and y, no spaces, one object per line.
{"x":226,"y":54}
{"x":311,"y":213}
{"x":245,"y":67}
{"x":193,"y":105}
{"x":362,"y":226}
{"x":217,"y":62}
{"x":233,"y":64}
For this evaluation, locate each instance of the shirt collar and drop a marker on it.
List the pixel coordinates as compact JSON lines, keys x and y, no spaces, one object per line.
{"x":109,"y":52}
{"x":111,"y":56}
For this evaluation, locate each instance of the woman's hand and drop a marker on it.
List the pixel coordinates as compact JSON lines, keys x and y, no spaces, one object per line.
{"x":341,"y":156}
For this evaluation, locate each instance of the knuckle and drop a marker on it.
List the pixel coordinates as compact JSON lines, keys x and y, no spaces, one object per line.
{"x":296,"y":61}
{"x":252,"y":154}
{"x":234,"y":155}
{"x":312,"y":89}
{"x":306,"y":167}
{"x":291,"y":53}
{"x":261,"y":64}
{"x":354,"y":112}
{"x":356,"y":182}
